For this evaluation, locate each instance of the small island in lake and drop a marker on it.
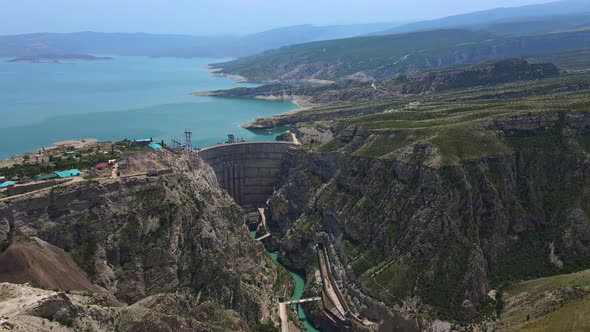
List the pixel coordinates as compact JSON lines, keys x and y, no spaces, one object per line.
{"x":52,"y":58}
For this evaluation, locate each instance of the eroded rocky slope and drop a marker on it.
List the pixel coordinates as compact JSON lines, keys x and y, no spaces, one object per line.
{"x":174,"y":249}
{"x":410,"y":82}
{"x":381,"y":57}
{"x":414,"y":231}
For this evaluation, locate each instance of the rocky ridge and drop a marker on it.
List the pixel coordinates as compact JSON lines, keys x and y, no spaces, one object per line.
{"x":383,"y":57}
{"x":402,"y":84}
{"x":174,"y":249}
{"x":409,"y":234}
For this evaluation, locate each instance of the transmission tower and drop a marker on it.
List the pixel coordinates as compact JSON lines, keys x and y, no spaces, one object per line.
{"x":188,"y":140}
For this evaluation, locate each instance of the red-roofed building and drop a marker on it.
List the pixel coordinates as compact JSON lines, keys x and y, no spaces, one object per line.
{"x":100,"y":165}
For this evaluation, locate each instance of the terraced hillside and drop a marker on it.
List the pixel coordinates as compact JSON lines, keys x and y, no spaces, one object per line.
{"x":558,"y":303}
{"x":465,"y":125}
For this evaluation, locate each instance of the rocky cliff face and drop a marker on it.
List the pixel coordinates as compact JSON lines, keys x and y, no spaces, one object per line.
{"x":408,"y":233}
{"x":492,"y":73}
{"x":140,"y":236}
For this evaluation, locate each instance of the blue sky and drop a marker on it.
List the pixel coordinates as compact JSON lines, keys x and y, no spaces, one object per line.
{"x":206,"y":17}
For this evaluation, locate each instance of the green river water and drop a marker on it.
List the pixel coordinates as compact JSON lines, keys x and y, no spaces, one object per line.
{"x":297,"y":292}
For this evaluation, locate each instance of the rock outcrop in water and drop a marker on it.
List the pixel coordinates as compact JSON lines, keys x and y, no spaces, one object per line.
{"x":174,"y":249}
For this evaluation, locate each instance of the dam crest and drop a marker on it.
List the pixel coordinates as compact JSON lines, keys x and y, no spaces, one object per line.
{"x":249,"y":171}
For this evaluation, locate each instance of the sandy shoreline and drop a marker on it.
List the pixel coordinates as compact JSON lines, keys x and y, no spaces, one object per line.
{"x":237,"y":78}
{"x":217,"y":72}
{"x":303,"y":102}
{"x":76,"y":143}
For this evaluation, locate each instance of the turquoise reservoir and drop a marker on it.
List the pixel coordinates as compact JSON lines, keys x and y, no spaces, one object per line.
{"x":127,"y":97}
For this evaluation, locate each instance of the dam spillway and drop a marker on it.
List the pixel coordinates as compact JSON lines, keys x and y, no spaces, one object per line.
{"x":249,"y":171}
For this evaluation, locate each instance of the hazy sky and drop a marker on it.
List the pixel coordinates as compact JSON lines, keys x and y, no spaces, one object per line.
{"x":220,"y":16}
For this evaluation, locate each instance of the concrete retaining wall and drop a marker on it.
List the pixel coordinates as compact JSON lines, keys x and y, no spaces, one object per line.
{"x":249,"y":171}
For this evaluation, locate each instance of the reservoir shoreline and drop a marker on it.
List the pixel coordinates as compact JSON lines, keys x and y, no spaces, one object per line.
{"x":304,"y":103}
{"x":127,"y":97}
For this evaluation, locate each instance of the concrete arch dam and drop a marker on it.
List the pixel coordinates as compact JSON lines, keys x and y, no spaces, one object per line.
{"x":249,"y":171}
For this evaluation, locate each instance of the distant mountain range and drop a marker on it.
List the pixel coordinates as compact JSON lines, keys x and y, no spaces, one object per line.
{"x":577,"y":11}
{"x":175,"y":45}
{"x":543,"y":18}
{"x":53,"y":58}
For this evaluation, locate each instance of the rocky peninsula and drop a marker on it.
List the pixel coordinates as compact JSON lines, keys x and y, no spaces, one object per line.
{"x":48,"y":58}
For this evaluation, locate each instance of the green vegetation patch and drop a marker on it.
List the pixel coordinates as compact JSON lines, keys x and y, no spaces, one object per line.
{"x":463,"y":142}
{"x":394,"y":279}
{"x":361,"y":259}
{"x":454,"y":142}
{"x":83,"y":255}
{"x":576,"y":59}
{"x":577,"y":279}
{"x":556,"y":303}
{"x":386,"y":143}
{"x":65,"y":321}
{"x":265,"y":327}
{"x":443,"y":289}
{"x":282,"y":282}
{"x":8,"y":241}
{"x":332,"y":145}
{"x":526,"y":258}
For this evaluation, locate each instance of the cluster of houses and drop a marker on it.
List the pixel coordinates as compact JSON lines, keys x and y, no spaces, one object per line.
{"x":4,"y":183}
{"x":58,"y":175}
{"x":41,"y":177}
{"x":122,"y":165}
{"x":10,"y":188}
